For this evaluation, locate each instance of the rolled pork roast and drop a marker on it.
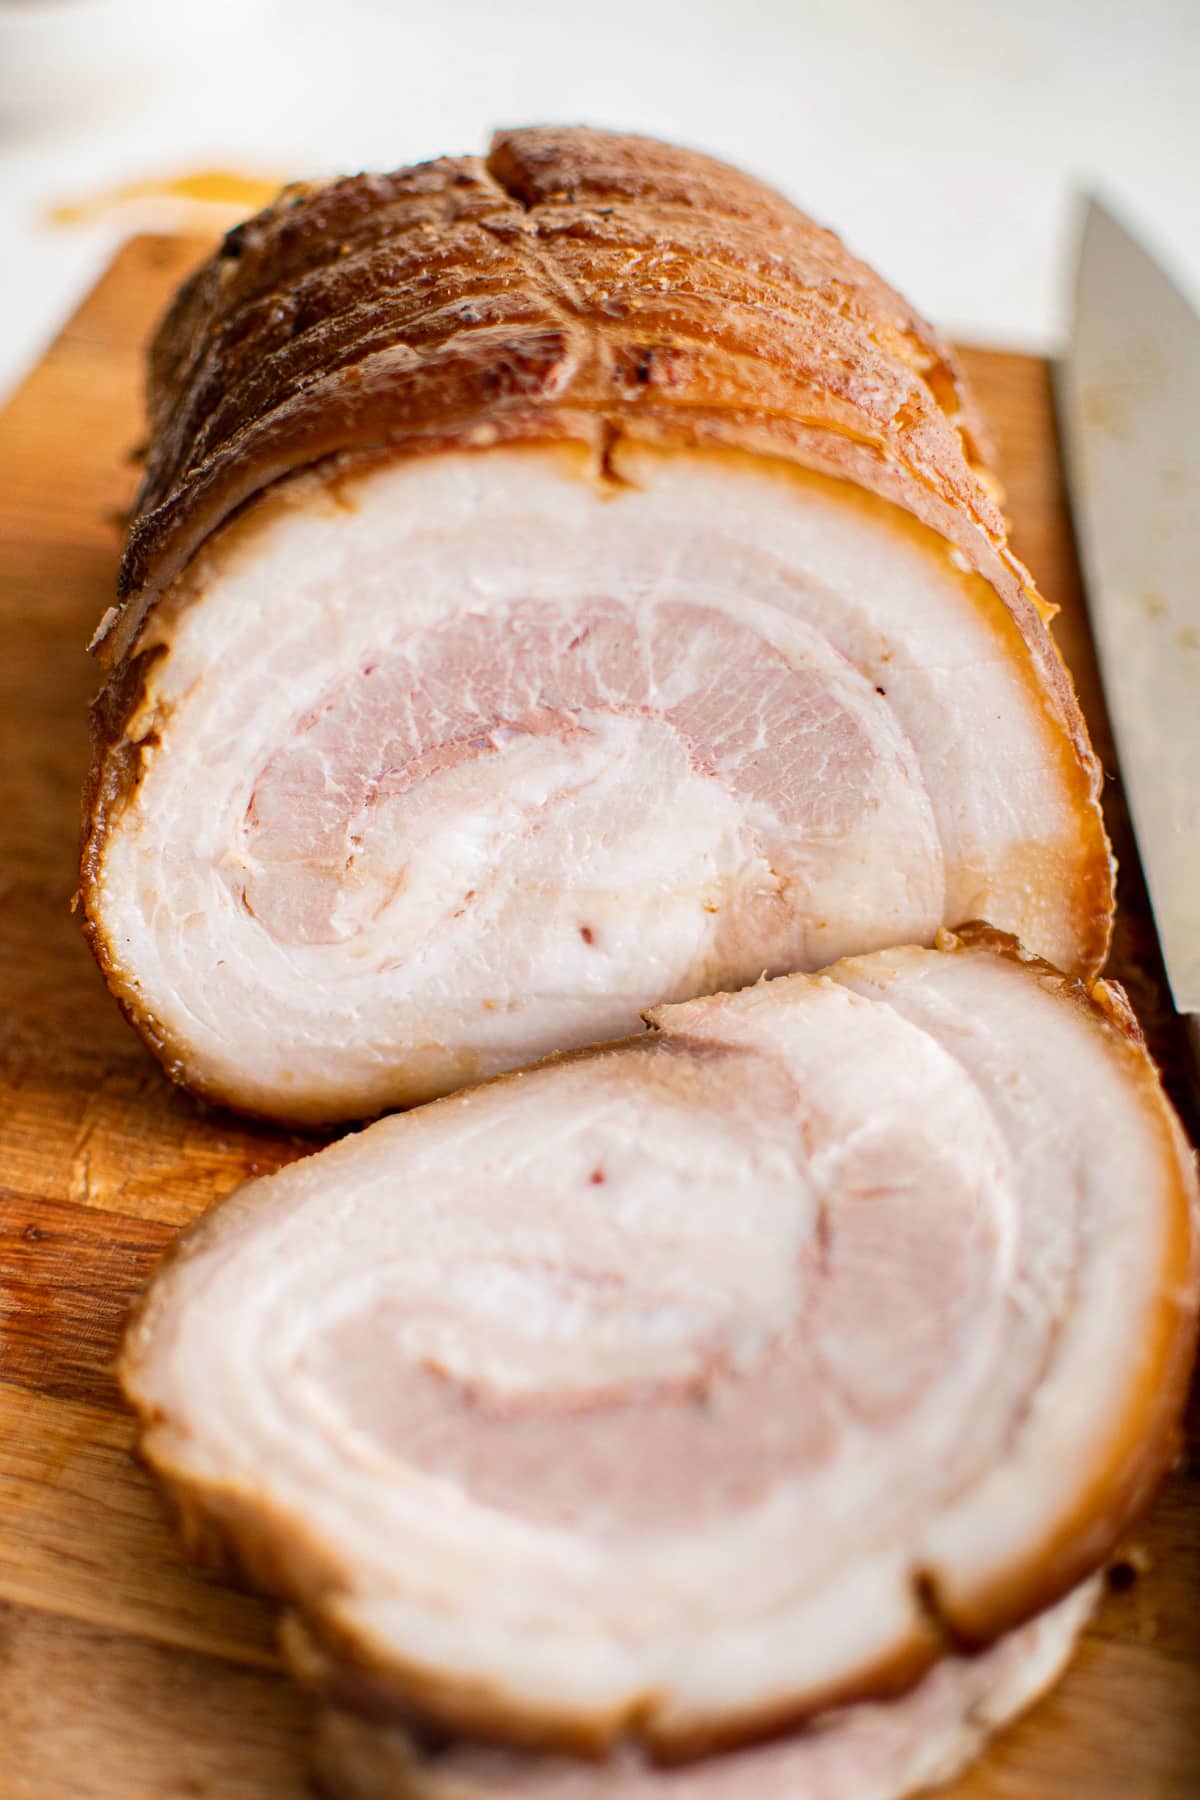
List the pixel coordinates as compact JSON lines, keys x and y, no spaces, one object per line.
{"x":661,"y":1398}
{"x":563,"y":582}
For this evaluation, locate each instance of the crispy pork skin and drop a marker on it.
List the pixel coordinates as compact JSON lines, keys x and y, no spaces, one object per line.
{"x":563,"y":583}
{"x":880,"y":1750}
{"x":689,"y":1387}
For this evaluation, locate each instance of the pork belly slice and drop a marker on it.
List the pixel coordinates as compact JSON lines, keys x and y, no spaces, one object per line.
{"x":478,"y":764}
{"x":695,"y":1385}
{"x":881,"y":1750}
{"x":563,"y":584}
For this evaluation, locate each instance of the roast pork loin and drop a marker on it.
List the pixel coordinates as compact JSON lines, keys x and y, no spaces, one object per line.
{"x":880,"y":1750}
{"x":563,"y":582}
{"x":689,"y":1387}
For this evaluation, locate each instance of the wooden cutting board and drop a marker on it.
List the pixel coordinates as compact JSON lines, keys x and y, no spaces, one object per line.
{"x":124,"y":1675}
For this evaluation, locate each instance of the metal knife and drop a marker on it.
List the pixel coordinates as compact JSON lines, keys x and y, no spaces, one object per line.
{"x":1129,"y":404}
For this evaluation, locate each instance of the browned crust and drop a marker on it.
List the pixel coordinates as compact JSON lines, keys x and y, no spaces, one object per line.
{"x":575,"y":286}
{"x":112,"y":778}
{"x":232,"y":1527}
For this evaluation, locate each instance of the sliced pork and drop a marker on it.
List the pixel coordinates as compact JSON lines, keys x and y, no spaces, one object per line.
{"x":696,"y":1385}
{"x":564,"y":582}
{"x":880,"y":1750}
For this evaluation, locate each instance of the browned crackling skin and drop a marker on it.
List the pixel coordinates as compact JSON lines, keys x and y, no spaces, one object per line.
{"x":231,"y":1528}
{"x":574,"y":286}
{"x":575,"y":283}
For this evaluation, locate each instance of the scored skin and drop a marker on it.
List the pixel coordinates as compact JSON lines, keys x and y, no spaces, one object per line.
{"x":575,"y":286}
{"x":229,"y":1523}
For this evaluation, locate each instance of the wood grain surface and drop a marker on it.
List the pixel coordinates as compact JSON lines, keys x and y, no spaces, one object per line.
{"x":124,"y":1674}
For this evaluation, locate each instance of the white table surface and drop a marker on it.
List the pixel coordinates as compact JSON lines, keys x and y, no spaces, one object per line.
{"x":942,"y":138}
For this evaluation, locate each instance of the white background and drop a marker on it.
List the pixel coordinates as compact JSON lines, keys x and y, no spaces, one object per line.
{"x":943,"y":138}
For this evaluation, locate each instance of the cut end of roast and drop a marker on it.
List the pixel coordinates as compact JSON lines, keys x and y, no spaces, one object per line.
{"x":691,"y":1387}
{"x":478,"y":759}
{"x":563,"y":583}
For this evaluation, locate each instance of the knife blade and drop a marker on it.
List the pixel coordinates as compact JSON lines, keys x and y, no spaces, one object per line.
{"x":1129,"y":406}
